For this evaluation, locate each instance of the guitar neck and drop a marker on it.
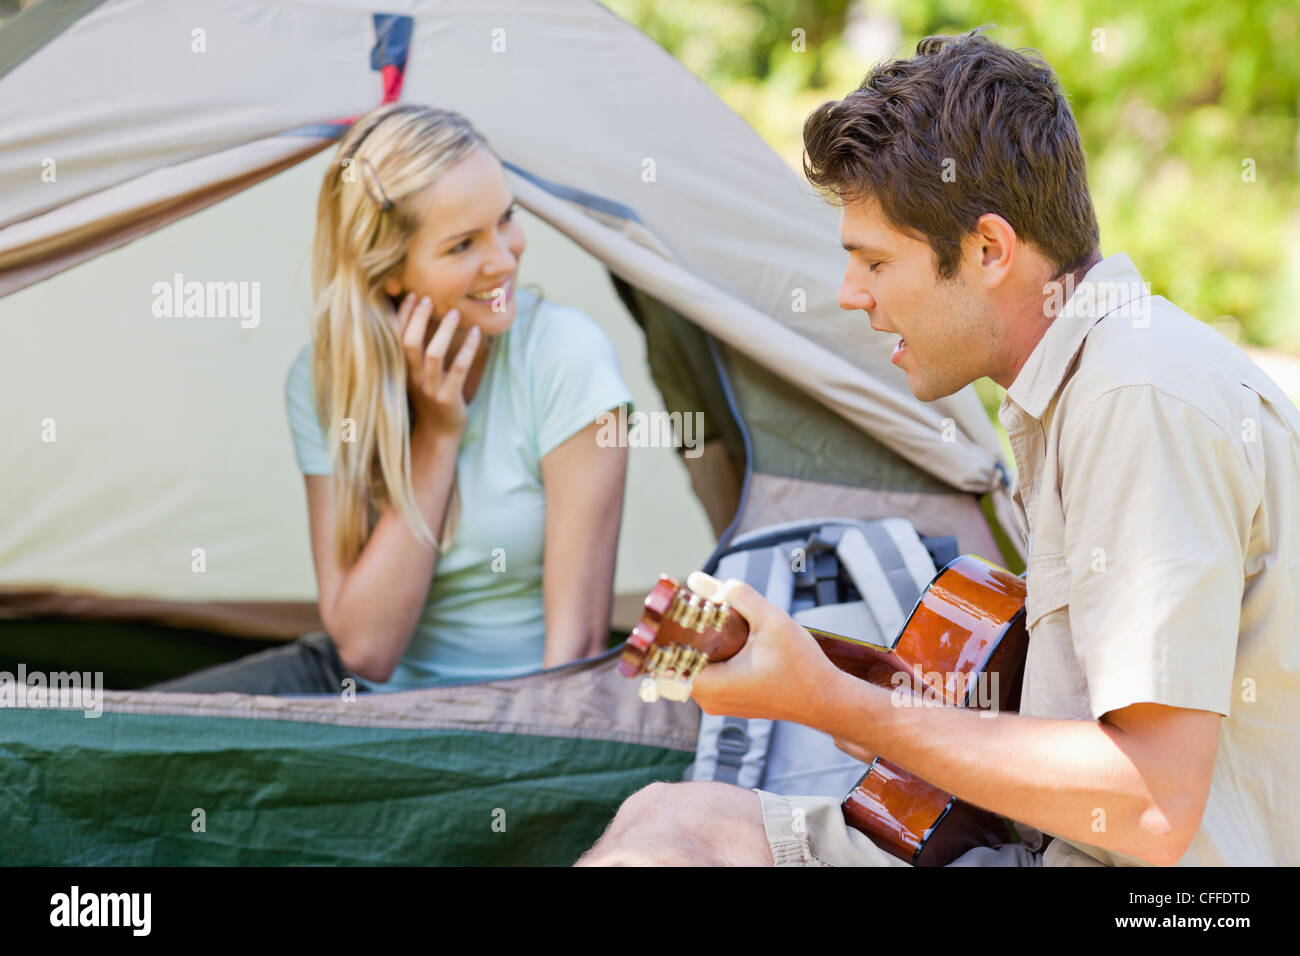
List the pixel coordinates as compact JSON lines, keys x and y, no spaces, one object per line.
{"x":680,"y":632}
{"x":863,"y":659}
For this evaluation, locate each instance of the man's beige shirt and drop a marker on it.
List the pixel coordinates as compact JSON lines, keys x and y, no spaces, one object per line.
{"x":1159,"y":486}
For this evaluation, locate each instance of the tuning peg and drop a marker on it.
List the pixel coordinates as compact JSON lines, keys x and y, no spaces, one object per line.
{"x":694,"y":665}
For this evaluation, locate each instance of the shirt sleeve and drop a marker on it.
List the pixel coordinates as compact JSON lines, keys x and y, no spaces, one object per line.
{"x":575,"y":376}
{"x":309,"y":442}
{"x":1158,"y":503}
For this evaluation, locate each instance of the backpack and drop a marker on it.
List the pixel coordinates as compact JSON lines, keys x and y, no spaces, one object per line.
{"x":847,"y":576}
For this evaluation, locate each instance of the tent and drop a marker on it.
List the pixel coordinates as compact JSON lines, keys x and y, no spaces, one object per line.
{"x":142,"y":143}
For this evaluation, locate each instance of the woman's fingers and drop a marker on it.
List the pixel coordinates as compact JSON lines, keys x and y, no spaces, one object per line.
{"x":453,"y":382}
{"x":435,"y":354}
{"x":403,"y":313}
{"x":417,"y":321}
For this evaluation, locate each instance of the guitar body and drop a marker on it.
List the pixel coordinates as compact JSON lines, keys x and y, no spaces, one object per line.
{"x":963,"y":645}
{"x":967,"y":632}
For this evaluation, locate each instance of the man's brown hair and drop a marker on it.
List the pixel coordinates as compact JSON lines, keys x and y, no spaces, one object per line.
{"x":995,"y":120}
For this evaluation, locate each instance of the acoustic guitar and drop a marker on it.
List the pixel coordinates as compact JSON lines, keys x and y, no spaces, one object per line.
{"x":963,"y":645}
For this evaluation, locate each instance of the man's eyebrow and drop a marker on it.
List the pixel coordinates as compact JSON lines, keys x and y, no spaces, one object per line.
{"x":470,"y":232}
{"x":854,"y":247}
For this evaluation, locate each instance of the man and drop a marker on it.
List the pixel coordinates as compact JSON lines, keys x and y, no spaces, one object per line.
{"x":1158,"y":483}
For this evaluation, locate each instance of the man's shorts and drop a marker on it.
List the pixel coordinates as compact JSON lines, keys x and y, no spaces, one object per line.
{"x":810,"y":831}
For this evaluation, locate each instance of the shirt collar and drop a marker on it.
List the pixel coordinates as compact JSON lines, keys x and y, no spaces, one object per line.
{"x":1109,"y":286}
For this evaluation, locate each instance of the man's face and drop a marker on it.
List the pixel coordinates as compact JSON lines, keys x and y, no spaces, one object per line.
{"x":946,"y":327}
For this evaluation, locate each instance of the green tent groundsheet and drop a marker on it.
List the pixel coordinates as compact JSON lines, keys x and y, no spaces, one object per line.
{"x":521,"y":772}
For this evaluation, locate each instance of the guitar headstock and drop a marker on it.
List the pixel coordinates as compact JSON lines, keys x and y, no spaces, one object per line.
{"x":679,"y":632}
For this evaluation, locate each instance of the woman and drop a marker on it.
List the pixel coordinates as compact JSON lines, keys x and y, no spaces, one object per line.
{"x":435,"y":395}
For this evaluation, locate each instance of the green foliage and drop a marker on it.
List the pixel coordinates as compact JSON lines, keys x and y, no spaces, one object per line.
{"x":1178,"y":103}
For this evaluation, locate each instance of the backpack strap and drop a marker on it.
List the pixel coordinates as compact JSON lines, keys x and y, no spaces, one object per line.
{"x":733,"y":749}
{"x":885,"y":567}
{"x":889,"y":567}
{"x":851,"y":577}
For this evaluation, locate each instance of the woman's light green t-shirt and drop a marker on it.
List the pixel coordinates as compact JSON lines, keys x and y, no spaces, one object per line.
{"x":547,"y":377}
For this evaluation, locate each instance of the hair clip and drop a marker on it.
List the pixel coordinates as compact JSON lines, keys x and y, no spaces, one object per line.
{"x":368,"y":171}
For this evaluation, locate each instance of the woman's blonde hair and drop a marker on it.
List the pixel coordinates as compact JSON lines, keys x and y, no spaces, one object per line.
{"x":366,"y":217}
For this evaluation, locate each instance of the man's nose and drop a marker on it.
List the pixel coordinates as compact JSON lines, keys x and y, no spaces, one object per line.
{"x":855,"y":297}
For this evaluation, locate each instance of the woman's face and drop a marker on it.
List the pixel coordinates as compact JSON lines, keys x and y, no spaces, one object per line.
{"x":465,"y":255}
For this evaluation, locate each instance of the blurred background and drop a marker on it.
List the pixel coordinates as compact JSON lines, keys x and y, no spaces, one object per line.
{"x":1188,"y":111}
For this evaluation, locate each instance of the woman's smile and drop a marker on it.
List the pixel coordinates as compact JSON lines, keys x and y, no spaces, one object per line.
{"x":502,"y":293}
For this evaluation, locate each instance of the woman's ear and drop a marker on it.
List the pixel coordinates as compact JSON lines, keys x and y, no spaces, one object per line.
{"x":393,"y":289}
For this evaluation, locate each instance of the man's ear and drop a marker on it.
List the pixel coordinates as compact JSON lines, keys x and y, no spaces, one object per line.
{"x":997,"y":245}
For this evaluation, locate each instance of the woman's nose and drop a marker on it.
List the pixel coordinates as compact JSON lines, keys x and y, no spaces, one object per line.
{"x":503,"y":259}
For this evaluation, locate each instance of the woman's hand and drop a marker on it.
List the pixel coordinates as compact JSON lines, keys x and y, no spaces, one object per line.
{"x":437,"y":392}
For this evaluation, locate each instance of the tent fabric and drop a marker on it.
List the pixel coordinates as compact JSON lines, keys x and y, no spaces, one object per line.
{"x":586,"y":699}
{"x":88,"y":226}
{"x":37,"y":27}
{"x":236,"y":91}
{"x":305,"y":794}
{"x":284,"y":619}
{"x":527,"y":771}
{"x":778,"y":499}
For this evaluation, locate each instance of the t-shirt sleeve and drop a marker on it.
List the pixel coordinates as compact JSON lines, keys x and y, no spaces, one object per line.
{"x":1158,"y":503}
{"x":309,"y":442}
{"x":575,"y":376}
